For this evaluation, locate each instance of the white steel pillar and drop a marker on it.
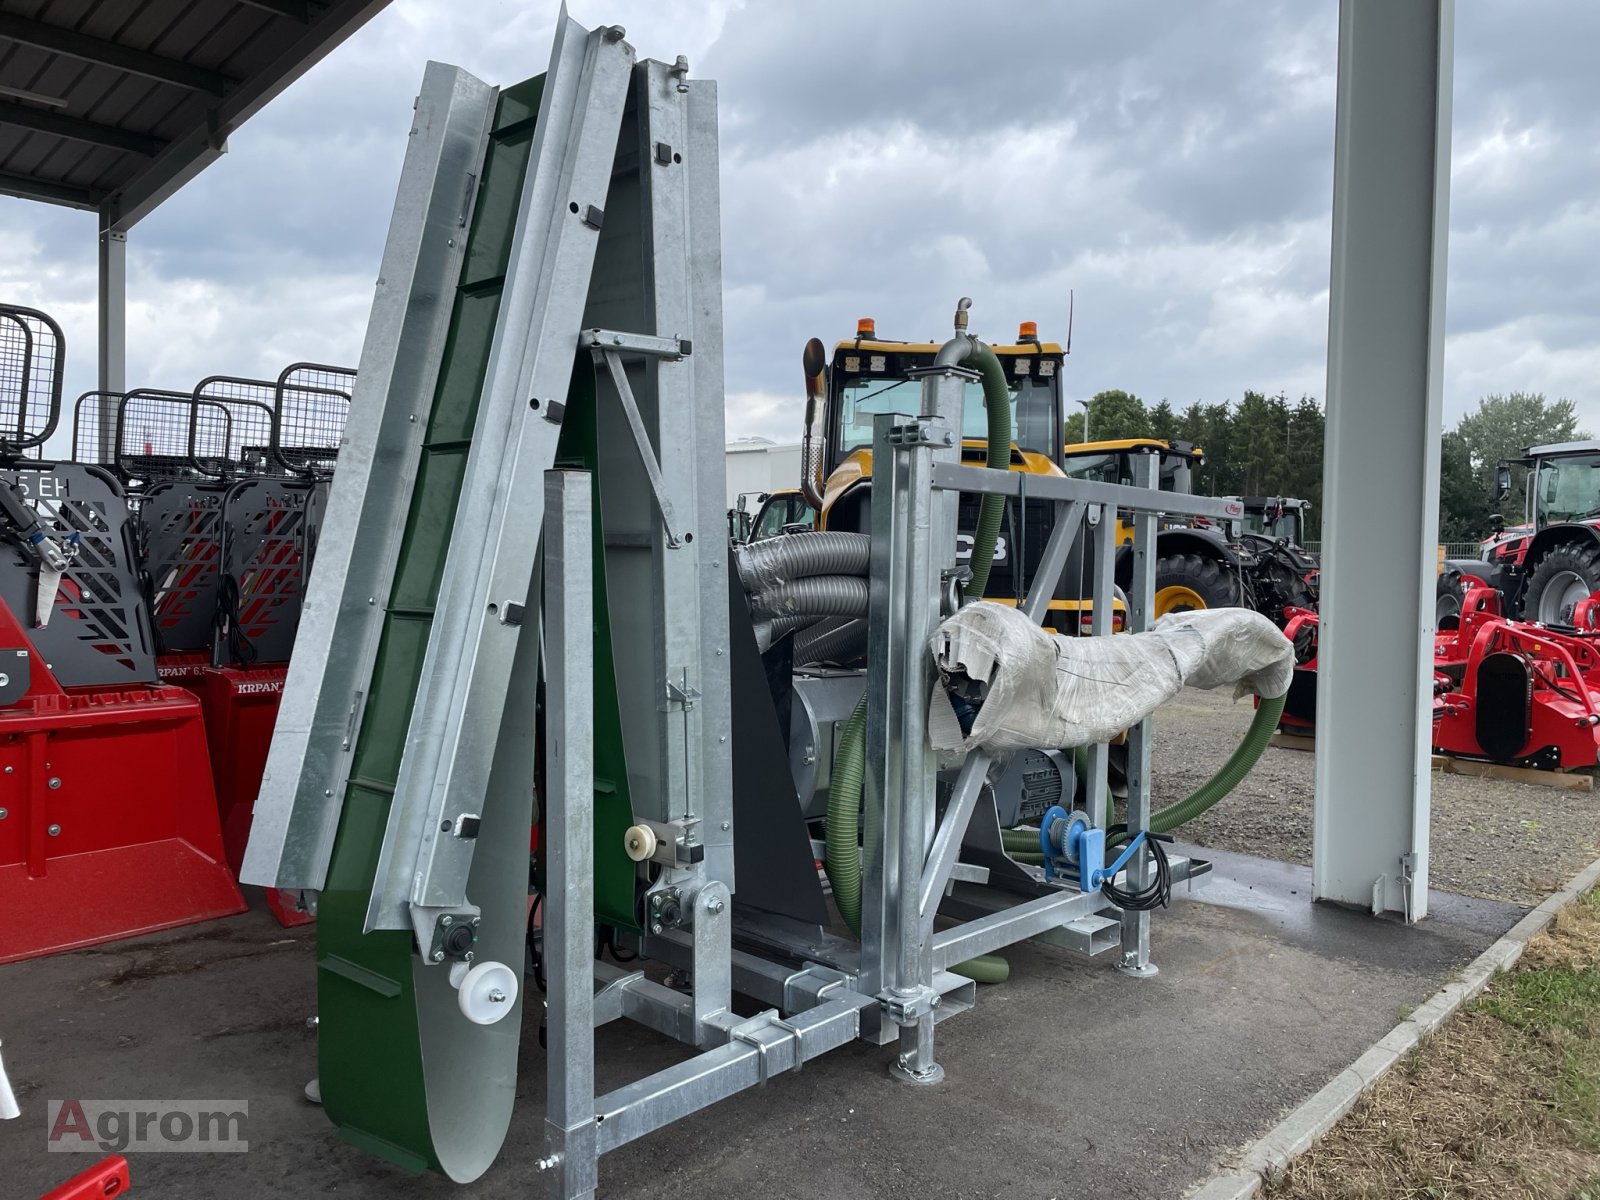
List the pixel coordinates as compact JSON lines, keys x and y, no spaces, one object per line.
{"x":1381,"y":462}
{"x":112,"y":320}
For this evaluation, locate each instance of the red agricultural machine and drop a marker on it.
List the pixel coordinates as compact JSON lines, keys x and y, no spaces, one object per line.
{"x":149,"y":595}
{"x":1513,"y":692}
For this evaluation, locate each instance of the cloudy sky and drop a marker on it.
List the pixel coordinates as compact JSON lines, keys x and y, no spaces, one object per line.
{"x":1170,"y":162}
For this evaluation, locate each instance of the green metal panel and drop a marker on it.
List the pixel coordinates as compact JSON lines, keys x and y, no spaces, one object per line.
{"x":371,"y":1065}
{"x":371,"y":1068}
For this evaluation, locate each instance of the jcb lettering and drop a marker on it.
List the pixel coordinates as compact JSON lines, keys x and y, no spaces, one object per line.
{"x":964,"y":547}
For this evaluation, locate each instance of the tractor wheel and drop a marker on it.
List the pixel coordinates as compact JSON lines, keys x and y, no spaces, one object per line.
{"x":1565,"y":575}
{"x":1186,"y":582}
{"x":1448,"y":594}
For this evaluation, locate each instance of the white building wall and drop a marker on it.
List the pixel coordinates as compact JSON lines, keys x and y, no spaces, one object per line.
{"x":761,"y":467}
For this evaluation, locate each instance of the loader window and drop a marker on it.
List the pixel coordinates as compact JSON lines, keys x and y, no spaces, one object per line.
{"x":1032,"y":412}
{"x":1568,"y":489}
{"x":863,"y":399}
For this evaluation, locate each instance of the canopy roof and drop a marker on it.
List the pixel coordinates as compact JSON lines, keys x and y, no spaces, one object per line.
{"x":112,"y":105}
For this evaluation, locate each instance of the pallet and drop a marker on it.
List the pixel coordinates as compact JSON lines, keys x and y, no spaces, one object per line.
{"x":1293,"y":741}
{"x":1478,"y":769}
{"x":1562,"y":780}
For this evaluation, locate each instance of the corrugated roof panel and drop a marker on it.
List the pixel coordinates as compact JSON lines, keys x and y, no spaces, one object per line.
{"x":174,"y":100}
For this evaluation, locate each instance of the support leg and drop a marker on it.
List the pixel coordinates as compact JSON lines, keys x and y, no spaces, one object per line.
{"x":915,"y":1063}
{"x":1135,"y":958}
{"x":570,"y":1135}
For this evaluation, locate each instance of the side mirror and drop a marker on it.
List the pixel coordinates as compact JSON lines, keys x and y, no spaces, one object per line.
{"x":812,"y":359}
{"x":1502,"y":482}
{"x":1497,"y":523}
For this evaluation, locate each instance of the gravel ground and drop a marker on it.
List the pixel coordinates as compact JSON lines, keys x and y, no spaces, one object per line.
{"x":1503,"y":841}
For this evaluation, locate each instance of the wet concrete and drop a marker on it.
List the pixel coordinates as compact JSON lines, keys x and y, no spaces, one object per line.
{"x":1068,"y":1081}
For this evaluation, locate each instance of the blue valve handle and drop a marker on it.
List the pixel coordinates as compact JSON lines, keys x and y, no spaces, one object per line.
{"x":1110,"y":872}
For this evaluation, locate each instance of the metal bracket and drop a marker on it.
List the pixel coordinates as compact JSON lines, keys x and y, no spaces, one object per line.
{"x":606,"y":341}
{"x":923,"y":431}
{"x":681,"y":695}
{"x":445,"y":934}
{"x":908,"y":1006}
{"x":609,"y":346}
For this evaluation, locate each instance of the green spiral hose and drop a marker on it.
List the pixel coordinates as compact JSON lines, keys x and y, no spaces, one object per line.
{"x":1244,"y":757}
{"x":843,"y":861}
{"x":992,"y":509}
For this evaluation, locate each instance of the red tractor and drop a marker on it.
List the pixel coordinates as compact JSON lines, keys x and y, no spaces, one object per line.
{"x":1544,"y":567}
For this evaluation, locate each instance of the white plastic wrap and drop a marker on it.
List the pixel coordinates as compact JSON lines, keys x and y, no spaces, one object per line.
{"x":1048,"y":691}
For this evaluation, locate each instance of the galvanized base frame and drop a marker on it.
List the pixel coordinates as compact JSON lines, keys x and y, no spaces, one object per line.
{"x":611,"y":254}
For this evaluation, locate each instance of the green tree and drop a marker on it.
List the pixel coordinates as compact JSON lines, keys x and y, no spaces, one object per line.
{"x":1503,"y":426}
{"x":1163,"y":422}
{"x":1112,"y":414}
{"x":1304,"y":435}
{"x":1463,"y":498}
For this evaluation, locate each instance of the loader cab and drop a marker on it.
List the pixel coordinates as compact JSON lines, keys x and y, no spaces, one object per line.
{"x":1112,"y":461}
{"x":869,"y":375}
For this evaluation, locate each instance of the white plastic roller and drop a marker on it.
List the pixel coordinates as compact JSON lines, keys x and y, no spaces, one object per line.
{"x":485,"y":992}
{"x":640,"y":842}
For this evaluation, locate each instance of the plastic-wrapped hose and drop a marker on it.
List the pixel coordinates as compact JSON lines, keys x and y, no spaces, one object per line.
{"x":817,"y":596}
{"x":839,"y":642}
{"x":773,"y":561}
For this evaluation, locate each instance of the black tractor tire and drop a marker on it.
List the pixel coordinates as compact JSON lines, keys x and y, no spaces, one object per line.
{"x":1564,"y":574}
{"x":1448,"y":594}
{"x":1185,"y":582}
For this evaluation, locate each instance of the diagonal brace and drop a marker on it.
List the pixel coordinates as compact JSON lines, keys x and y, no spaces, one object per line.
{"x":609,"y":347}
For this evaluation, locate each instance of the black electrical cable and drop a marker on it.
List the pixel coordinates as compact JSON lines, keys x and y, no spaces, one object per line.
{"x":240,"y":648}
{"x":617,"y":953}
{"x":536,"y":944}
{"x":1158,"y":891}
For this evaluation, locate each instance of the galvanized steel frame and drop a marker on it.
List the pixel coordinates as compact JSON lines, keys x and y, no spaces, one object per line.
{"x":450,"y":765}
{"x":308,"y":767}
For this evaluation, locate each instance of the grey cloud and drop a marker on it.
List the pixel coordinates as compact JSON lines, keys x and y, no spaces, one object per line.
{"x":1170,"y":162}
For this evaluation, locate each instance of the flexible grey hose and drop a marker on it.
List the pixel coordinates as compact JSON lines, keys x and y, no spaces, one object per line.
{"x":774,"y":561}
{"x":844,"y":642}
{"x":773,"y":629}
{"x":818,"y":596}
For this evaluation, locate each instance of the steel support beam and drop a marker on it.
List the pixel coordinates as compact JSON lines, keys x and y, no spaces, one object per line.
{"x":49,"y":191}
{"x":569,"y":1124}
{"x":72,"y":44}
{"x":43,"y":120}
{"x":1135,"y":958}
{"x":1381,"y":462}
{"x":112,"y":326}
{"x":295,"y":10}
